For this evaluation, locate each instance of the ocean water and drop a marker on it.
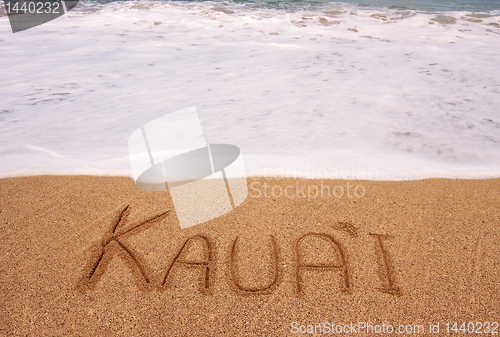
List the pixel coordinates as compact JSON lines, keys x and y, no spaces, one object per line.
{"x":360,"y":89}
{"x":420,"y":5}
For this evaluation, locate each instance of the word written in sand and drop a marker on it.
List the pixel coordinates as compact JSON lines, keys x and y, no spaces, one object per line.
{"x":112,"y":244}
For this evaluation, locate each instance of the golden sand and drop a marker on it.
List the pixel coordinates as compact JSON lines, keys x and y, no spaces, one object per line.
{"x":95,"y":256}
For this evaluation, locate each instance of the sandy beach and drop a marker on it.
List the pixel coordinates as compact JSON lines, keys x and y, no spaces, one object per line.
{"x":86,"y":255}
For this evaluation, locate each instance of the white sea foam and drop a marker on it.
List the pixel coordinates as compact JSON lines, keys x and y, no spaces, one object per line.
{"x":341,"y":90}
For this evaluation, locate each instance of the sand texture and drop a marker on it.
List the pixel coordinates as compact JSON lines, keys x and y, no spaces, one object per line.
{"x":95,"y":256}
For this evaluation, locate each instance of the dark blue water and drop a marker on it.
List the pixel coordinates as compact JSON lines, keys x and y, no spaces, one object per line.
{"x":436,"y":5}
{"x":419,"y":5}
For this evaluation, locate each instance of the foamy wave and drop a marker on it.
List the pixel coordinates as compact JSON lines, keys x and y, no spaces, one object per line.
{"x":408,"y":93}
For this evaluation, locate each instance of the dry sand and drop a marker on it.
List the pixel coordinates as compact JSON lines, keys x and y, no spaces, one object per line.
{"x":414,"y":252}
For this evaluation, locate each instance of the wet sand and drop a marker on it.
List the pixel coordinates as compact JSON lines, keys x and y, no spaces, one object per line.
{"x":95,"y":256}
